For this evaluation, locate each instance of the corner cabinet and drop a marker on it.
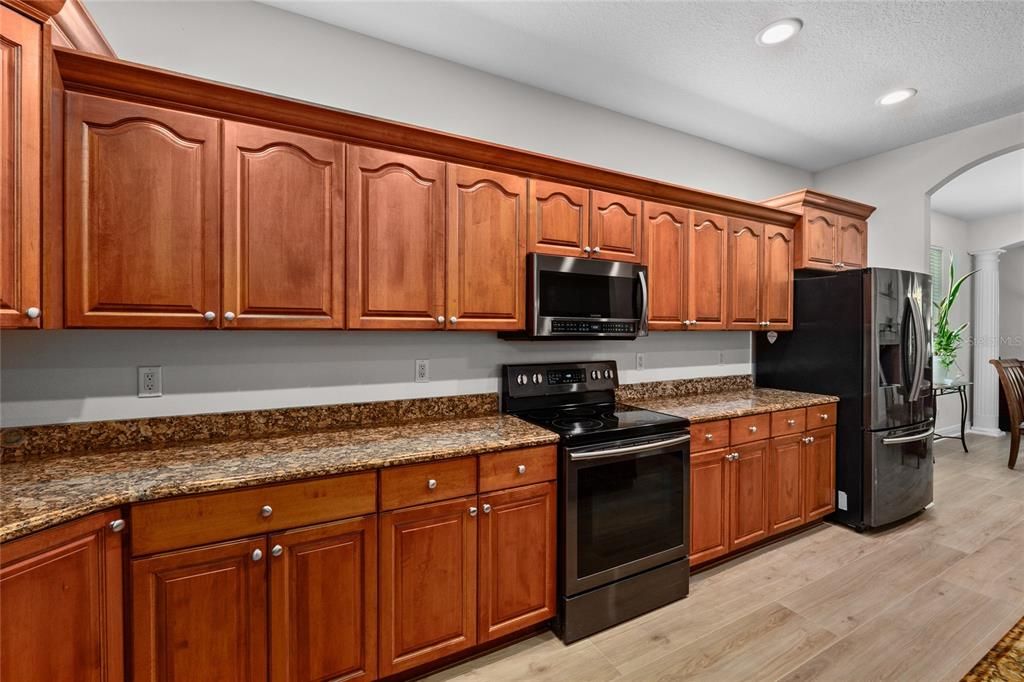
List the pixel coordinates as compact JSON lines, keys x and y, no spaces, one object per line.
{"x":832,"y":233}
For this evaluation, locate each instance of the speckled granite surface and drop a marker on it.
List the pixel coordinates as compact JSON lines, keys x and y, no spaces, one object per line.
{"x":735,"y":403}
{"x":630,"y":393}
{"x":40,"y":491}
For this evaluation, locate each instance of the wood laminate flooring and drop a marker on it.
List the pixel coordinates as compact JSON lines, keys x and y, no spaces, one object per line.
{"x":924,"y":600}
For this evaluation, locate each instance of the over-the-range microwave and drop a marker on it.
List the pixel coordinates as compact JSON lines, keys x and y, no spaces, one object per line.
{"x":584,"y":298}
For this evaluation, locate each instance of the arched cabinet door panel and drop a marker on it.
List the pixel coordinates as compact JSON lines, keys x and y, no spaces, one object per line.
{"x":707,"y":243}
{"x":665,"y":228}
{"x":852,"y":243}
{"x":395,"y":222}
{"x":284,"y":235}
{"x":615,"y":227}
{"x":819,"y":239}
{"x":746,"y":274}
{"x":777,"y":286}
{"x":142,"y":215}
{"x":559,"y":219}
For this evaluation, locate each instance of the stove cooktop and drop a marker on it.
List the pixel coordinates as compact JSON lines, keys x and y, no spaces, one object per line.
{"x":605,"y":420}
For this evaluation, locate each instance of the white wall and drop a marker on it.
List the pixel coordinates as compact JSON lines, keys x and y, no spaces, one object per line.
{"x":88,"y":375}
{"x":1011,"y":303}
{"x":997,"y":232}
{"x":898,"y":181}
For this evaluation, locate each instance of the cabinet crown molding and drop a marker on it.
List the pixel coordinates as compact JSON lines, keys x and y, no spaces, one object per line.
{"x":800,"y":198}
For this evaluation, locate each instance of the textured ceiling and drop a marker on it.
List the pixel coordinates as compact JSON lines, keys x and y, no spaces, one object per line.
{"x":992,"y":188}
{"x":694,"y":66}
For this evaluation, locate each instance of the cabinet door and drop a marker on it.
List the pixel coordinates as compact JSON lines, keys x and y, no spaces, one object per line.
{"x":142,"y":215}
{"x":745,"y":274}
{"x":284,"y":236}
{"x":820,"y":473}
{"x":61,"y":610}
{"x":706,"y":270}
{"x":486,"y":249}
{"x":323,"y":602}
{"x":21,"y":92}
{"x":395,"y":240}
{"x":817,"y":240}
{"x":709,"y":506}
{"x":748,"y":492}
{"x":517,"y":560}
{"x":785,"y":489}
{"x":559,"y":219}
{"x":777,"y":278}
{"x":201,"y":614}
{"x":615,"y":227}
{"x":852,"y":243}
{"x":665,"y":230}
{"x":428,"y":583}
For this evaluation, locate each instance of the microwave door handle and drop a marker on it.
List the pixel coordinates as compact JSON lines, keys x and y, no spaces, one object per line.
{"x":627,"y":450}
{"x":645,"y":303}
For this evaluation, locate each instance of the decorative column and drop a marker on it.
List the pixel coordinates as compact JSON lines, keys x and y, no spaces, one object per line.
{"x":985,"y":336}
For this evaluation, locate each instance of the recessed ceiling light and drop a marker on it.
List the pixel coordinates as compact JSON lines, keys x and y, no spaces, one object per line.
{"x":779,"y":32}
{"x":895,"y":97}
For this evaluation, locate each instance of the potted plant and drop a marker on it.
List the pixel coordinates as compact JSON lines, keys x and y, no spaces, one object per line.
{"x":947,"y":341}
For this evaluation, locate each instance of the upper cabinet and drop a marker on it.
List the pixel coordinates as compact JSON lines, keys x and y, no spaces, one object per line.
{"x":615,"y":232}
{"x":832,"y":233}
{"x":746,"y":274}
{"x":21,"y":92}
{"x":559,"y":219}
{"x":284,"y":238}
{"x":706,"y":248}
{"x":486,"y":264}
{"x":777,"y":278}
{"x":142,"y":215}
{"x":665,"y":228}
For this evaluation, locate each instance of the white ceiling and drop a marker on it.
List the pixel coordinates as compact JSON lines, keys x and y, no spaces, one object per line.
{"x":995,"y":187}
{"x":693,"y":65}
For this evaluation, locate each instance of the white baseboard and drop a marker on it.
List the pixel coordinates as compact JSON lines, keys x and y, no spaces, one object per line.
{"x":952,"y":430}
{"x":983,"y":431}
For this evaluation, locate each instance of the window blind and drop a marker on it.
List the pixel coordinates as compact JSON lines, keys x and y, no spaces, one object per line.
{"x":937,"y":269}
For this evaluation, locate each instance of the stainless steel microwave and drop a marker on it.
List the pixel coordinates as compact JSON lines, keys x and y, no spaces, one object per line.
{"x":584,"y":298}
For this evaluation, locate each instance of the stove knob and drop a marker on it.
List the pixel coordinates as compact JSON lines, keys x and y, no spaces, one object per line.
{"x":522,"y":379}
{"x":595,"y":375}
{"x":607,"y":374}
{"x":537,"y":378}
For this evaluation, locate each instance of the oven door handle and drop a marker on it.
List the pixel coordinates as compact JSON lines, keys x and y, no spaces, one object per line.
{"x":630,"y":449}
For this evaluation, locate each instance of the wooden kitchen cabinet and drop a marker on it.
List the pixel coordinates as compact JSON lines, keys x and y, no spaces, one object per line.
{"x":745,"y":274}
{"x":284,"y":231}
{"x":832,"y":233}
{"x":201,"y":614}
{"x":819,"y":461}
{"x":706,"y":271}
{"x":777,"y":278}
{"x":61,"y":601}
{"x":785,"y":484}
{"x":558,"y":216}
{"x":615,"y":227}
{"x":21,"y":98}
{"x":323,"y":602}
{"x":428,"y":583}
{"x":851,"y":243}
{"x":819,"y":239}
{"x":709,"y":506}
{"x":486,"y":263}
{"x":665,"y":230}
{"x":395,"y":240}
{"x":748,"y":494}
{"x":142,"y":215}
{"x":517,"y":559}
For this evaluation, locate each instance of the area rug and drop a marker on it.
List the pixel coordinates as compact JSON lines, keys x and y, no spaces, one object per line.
{"x":1005,"y":661}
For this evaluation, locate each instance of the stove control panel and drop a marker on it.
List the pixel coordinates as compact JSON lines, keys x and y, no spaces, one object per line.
{"x":552,"y":379}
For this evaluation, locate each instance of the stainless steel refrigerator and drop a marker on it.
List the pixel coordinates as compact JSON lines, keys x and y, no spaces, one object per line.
{"x":865,"y":336}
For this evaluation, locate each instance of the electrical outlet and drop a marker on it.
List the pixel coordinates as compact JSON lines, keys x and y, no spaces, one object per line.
{"x":721,"y":357}
{"x":641,"y":363}
{"x":151,"y":382}
{"x":422,"y":371}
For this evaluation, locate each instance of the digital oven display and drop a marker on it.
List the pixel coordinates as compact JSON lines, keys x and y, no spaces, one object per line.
{"x":565,"y":376}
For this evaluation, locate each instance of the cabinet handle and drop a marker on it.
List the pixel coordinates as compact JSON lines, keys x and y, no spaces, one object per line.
{"x":824,"y":416}
{"x":472,"y":511}
{"x":586,"y":250}
{"x":229,"y":316}
{"x":432,"y":484}
{"x":276,"y":550}
{"x":521,"y":469}
{"x":209,"y":316}
{"x":453,"y":319}
{"x":596,"y":250}
{"x":709,"y":436}
{"x":790,"y":422}
{"x":257,"y":554}
{"x":33,"y":312}
{"x":487,"y":509}
{"x":732,"y":456}
{"x":808,"y":439}
{"x":752,"y":429}
{"x":440,"y":319}
{"x":266,"y":510}
{"x":117,"y":526}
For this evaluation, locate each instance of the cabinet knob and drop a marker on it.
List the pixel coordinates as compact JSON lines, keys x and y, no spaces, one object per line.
{"x":257,"y":554}
{"x":209,"y":316}
{"x":33,"y":312}
{"x":597,"y":249}
{"x":432,"y":484}
{"x":453,"y":319}
{"x":752,"y":429}
{"x":440,"y":319}
{"x":808,"y":439}
{"x":733,"y":456}
{"x":276,"y":550}
{"x":586,"y":249}
{"x":487,"y":509}
{"x":521,"y":469}
{"x":229,"y":316}
{"x":709,"y":436}
{"x":472,"y":511}
{"x":790,"y":422}
{"x":824,"y":416}
{"x":117,"y":526}
{"x":266,"y":510}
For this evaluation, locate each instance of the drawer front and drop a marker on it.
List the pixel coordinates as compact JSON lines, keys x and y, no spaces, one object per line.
{"x":789,"y":422}
{"x":413,"y":484}
{"x":748,"y":429}
{"x":821,"y":415}
{"x":518,"y":467}
{"x":201,"y":519}
{"x":709,"y":435}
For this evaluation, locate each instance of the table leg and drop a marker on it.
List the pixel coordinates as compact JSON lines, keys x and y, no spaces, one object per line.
{"x":962,"y":391}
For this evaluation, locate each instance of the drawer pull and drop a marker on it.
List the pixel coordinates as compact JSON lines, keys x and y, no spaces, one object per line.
{"x":791,"y":422}
{"x":432,"y":484}
{"x":487,"y":509}
{"x":521,"y":469}
{"x":276,"y":550}
{"x":472,"y":511}
{"x":117,"y":526}
{"x":824,"y":416}
{"x":753,"y":429}
{"x":257,"y":554}
{"x":266,"y":511}
{"x":709,"y":436}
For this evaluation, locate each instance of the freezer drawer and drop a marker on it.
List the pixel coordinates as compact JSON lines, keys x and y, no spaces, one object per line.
{"x":899,"y":471}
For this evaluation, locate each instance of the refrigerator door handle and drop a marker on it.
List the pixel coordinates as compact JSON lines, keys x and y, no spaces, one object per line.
{"x":908,"y":439}
{"x":921,"y":347}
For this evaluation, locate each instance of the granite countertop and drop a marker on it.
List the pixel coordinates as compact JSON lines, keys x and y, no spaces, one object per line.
{"x":43,"y":491}
{"x":734,"y":403}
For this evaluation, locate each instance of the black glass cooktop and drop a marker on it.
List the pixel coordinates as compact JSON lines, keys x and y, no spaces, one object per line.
{"x":606,"y":419}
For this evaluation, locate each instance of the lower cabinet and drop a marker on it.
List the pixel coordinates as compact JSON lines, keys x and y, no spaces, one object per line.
{"x":819,"y":473}
{"x":748,"y":498}
{"x":61,"y":612}
{"x":785,"y":484}
{"x":709,"y":507}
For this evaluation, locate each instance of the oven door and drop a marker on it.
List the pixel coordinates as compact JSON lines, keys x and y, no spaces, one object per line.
{"x":582,"y":297}
{"x":625,"y":507}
